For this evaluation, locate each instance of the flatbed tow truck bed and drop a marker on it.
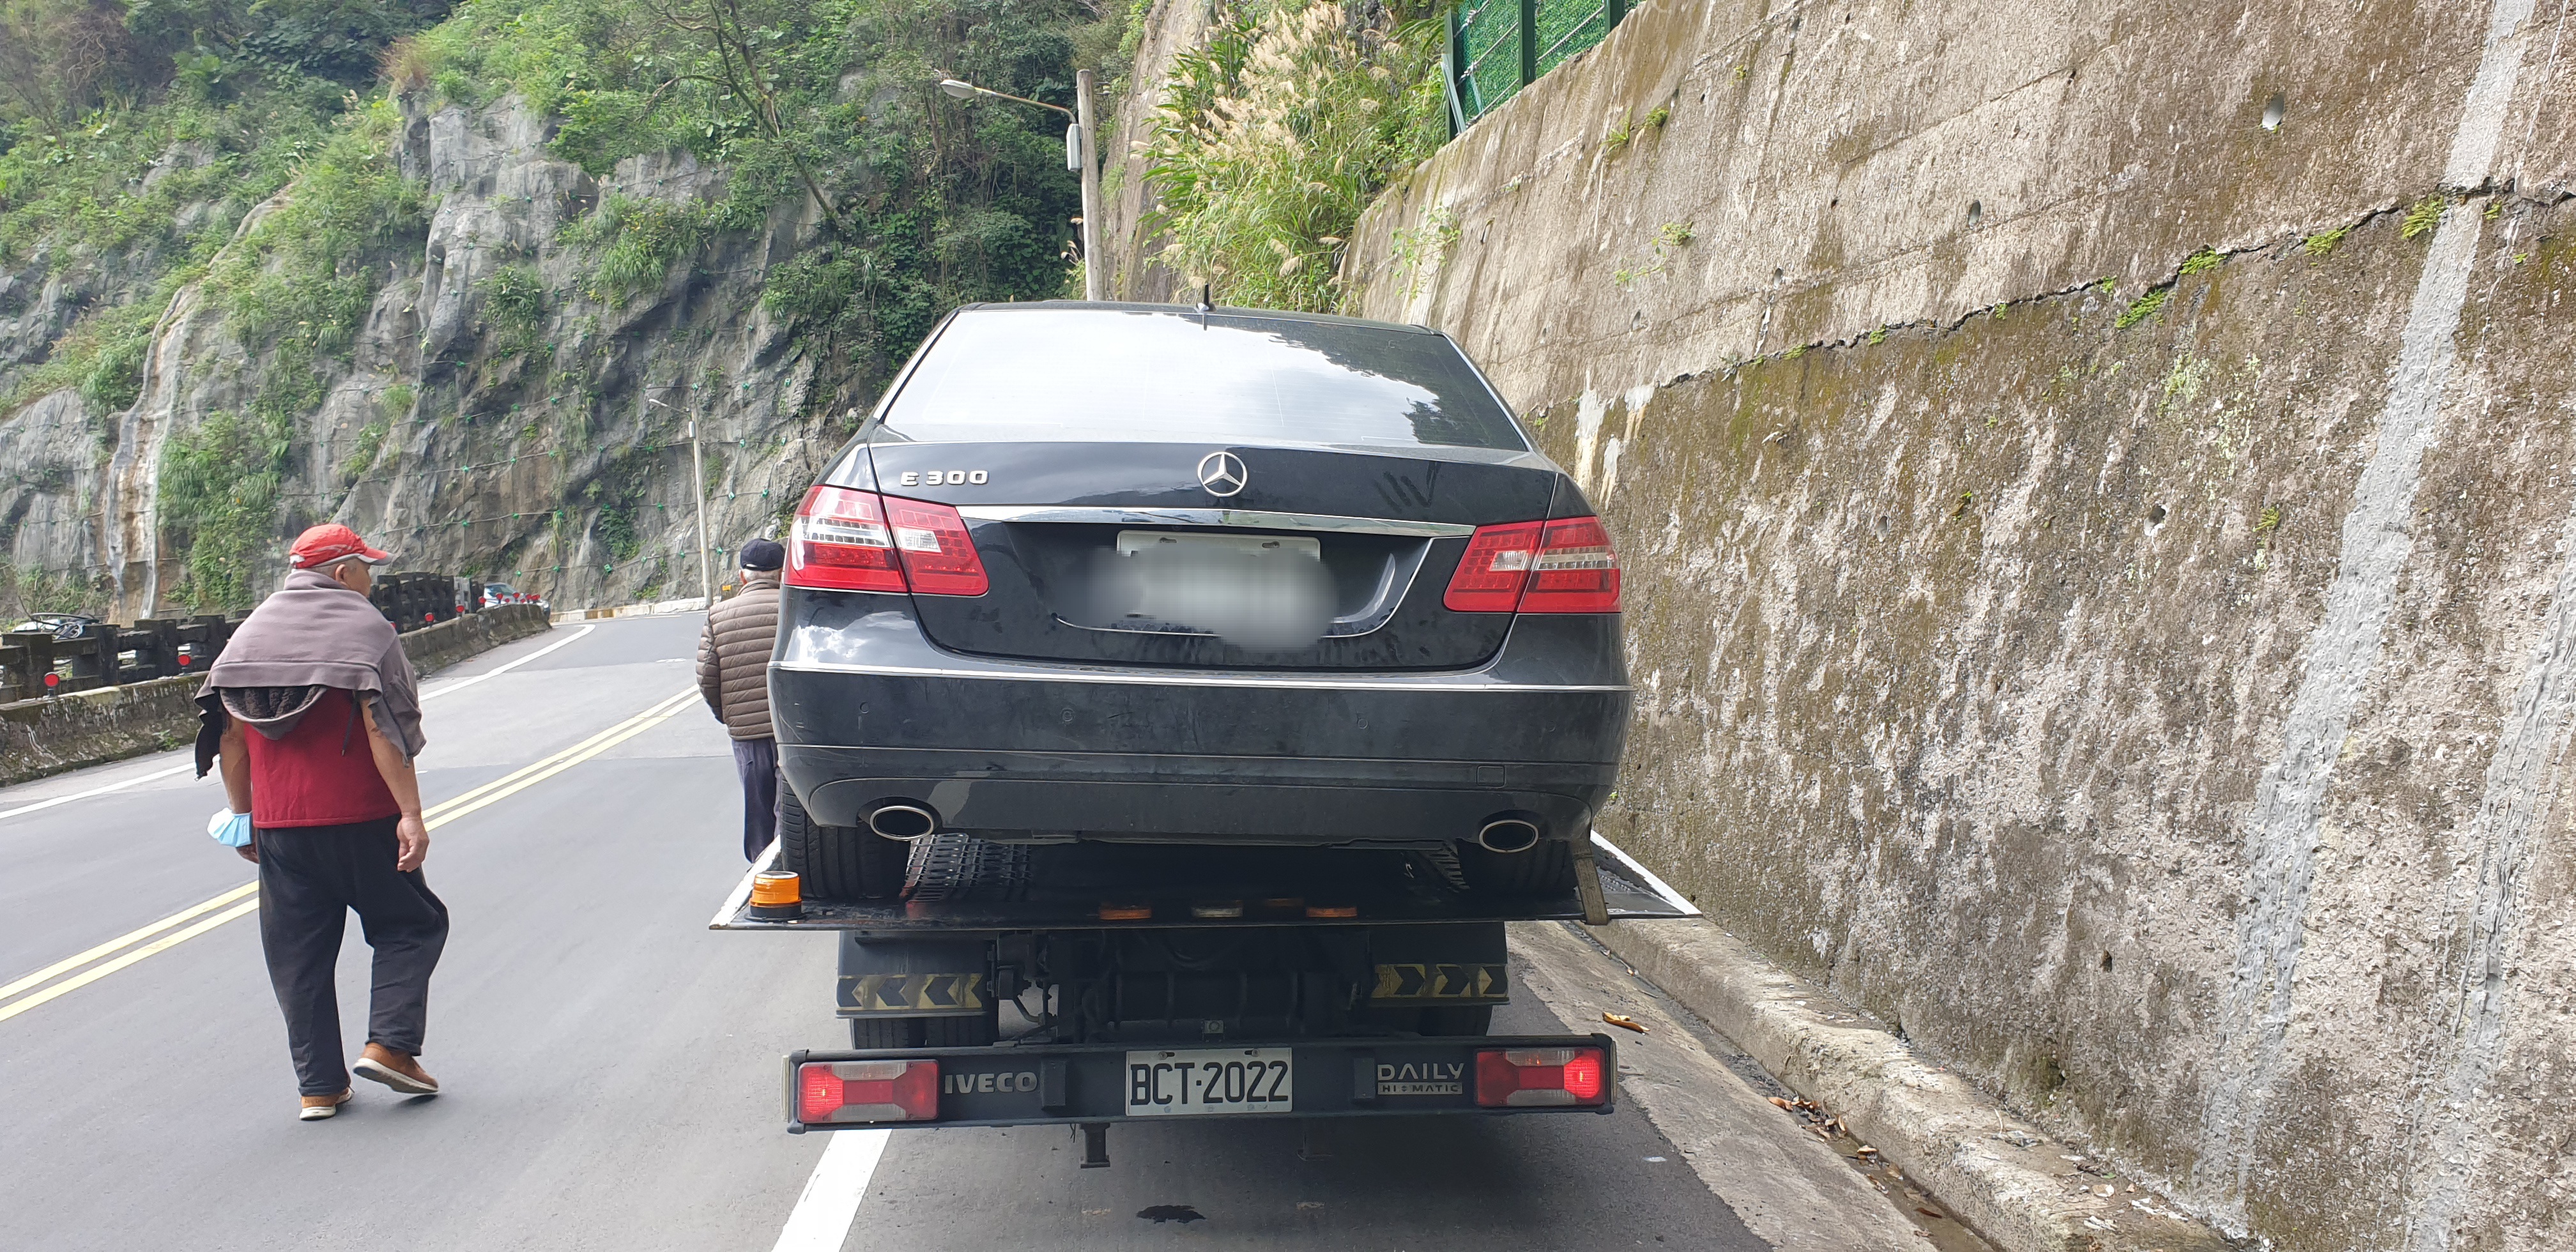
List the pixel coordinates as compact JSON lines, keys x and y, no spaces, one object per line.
{"x":1155,"y":981}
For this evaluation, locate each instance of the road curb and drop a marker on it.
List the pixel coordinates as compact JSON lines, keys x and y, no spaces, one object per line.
{"x":2005,"y":1177}
{"x":652,"y":608}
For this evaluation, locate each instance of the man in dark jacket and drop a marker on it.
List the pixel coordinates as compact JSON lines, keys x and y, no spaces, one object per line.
{"x":314,"y":712}
{"x":733,"y":674}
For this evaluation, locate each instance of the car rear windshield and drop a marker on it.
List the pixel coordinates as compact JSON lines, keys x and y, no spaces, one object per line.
{"x":1064,"y":374}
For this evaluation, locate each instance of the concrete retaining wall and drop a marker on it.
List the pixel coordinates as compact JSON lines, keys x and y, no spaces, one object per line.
{"x":2098,"y":564}
{"x":40,"y":737}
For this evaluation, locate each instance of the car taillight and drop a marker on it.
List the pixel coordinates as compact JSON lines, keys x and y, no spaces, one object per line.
{"x":1490,"y":577}
{"x":840,"y":541}
{"x":1522,"y":1077}
{"x":1576,"y":572}
{"x":938,"y":555}
{"x":1537,"y":567}
{"x":867,"y":1091}
{"x":847,"y":540}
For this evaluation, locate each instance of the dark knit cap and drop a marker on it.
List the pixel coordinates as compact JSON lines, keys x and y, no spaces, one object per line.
{"x":763,"y":554}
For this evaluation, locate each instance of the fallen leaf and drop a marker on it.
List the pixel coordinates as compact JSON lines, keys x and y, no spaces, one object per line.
{"x":1864,"y":1150}
{"x":1782,"y":1103}
{"x":2104,"y":1190}
{"x":1924,"y":1211}
{"x":1624,"y":1022}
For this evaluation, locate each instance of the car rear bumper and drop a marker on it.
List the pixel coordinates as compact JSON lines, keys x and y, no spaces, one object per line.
{"x":869,"y":711}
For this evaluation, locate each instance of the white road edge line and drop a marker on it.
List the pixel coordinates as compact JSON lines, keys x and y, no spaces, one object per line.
{"x":498,"y":670}
{"x":742,"y":890}
{"x":181,"y":768}
{"x":185,"y":766}
{"x":821,"y":1220}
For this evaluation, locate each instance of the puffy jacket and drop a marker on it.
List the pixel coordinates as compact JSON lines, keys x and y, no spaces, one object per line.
{"x":733,"y":657}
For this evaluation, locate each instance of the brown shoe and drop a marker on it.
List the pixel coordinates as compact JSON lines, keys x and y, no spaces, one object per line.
{"x":316,"y":1108}
{"x":393,"y":1069}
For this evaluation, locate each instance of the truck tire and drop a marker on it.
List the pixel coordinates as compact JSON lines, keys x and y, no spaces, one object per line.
{"x":1458,"y":1021}
{"x":837,"y":862}
{"x":1545,"y":870}
{"x":924,"y":1032}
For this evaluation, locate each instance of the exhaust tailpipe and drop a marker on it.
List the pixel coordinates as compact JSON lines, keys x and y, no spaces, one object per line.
{"x":1508,"y":834}
{"x":903,"y":819}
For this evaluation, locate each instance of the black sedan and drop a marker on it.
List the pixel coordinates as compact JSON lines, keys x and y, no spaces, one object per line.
{"x":1149,"y":574}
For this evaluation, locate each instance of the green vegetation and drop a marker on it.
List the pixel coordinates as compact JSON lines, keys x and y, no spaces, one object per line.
{"x":219,"y":497}
{"x":2142,"y":308}
{"x":2201,"y":262}
{"x":2423,"y":216}
{"x":2323,"y":242}
{"x":1279,"y":131}
{"x":514,"y":308}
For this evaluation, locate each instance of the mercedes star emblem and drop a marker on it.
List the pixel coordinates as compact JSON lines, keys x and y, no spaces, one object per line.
{"x":1221,"y":473}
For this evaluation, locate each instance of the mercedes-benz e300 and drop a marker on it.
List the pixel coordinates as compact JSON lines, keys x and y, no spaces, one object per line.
{"x":1150,"y":574}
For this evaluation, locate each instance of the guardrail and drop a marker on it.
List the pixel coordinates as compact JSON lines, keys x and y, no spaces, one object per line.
{"x":1497,"y":47}
{"x":37,"y":663}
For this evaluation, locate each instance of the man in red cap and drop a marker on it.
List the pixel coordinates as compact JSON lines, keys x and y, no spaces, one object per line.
{"x":314,"y":712}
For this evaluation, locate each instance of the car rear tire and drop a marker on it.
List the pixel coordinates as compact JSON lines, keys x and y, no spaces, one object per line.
{"x":1545,"y":870}
{"x":837,"y":862}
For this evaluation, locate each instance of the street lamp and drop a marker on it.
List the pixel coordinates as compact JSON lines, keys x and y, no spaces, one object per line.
{"x":698,"y":490}
{"x":1078,"y":155}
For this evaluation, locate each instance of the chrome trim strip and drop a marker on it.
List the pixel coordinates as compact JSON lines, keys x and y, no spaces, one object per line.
{"x":1200,"y":679}
{"x":1247,"y":519}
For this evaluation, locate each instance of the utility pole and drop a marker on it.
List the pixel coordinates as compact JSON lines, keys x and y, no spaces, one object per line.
{"x":1094,"y":282}
{"x":698,"y":487}
{"x":1080,"y":154}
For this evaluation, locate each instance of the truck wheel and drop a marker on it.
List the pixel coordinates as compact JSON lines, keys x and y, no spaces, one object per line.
{"x":923,"y":1032}
{"x":960,"y":1032}
{"x":837,"y":862}
{"x":1458,"y":1021}
{"x":885,"y":1032}
{"x":1545,"y":870}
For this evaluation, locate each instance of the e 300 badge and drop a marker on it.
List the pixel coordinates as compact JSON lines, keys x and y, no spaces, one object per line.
{"x":935,"y":478}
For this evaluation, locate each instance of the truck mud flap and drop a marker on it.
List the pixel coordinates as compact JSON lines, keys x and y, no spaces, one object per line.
{"x":1096,"y":1084}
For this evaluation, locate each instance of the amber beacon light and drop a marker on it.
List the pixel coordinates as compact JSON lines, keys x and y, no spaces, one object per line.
{"x":777,"y":896}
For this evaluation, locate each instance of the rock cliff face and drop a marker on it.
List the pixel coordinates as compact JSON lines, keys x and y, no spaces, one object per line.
{"x":2095,"y":490}
{"x":540,"y":443}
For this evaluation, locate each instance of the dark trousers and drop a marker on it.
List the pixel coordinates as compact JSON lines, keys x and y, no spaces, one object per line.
{"x":309,"y":879}
{"x":757,"y":761}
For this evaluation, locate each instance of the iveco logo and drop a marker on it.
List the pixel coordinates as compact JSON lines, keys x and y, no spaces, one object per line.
{"x":1221,"y":473}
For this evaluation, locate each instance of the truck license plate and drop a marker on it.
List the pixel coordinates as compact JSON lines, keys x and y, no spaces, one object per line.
{"x":1210,"y":1081}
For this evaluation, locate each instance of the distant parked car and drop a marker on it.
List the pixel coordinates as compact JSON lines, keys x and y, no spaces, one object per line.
{"x":500,"y":593}
{"x":63,"y":626}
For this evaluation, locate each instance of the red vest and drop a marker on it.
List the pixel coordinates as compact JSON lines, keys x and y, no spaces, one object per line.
{"x":323,"y":773}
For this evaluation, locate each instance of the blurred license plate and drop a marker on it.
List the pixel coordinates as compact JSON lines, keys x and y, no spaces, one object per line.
{"x":1210,"y":1081}
{"x":1261,"y":591}
{"x":1132,"y":542}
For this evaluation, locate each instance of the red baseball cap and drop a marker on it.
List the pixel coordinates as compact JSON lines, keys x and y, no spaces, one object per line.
{"x":330,"y":542}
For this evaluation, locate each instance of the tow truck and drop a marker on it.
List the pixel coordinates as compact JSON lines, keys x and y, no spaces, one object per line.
{"x":1148,"y":982}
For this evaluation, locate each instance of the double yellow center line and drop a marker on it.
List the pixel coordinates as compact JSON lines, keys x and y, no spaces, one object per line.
{"x":120,"y":952}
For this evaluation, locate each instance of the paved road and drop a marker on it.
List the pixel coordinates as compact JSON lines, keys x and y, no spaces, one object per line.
{"x":612,"y":1066}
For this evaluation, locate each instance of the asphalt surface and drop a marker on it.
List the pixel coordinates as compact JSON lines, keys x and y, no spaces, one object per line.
{"x":612,"y":1067}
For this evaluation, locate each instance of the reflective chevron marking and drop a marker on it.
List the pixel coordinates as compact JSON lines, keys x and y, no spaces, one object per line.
{"x":1440,"y":982}
{"x":864,"y":994}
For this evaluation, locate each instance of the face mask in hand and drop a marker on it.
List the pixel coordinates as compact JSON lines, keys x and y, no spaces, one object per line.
{"x":229,"y":828}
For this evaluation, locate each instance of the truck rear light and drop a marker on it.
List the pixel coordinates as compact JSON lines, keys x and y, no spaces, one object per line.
{"x":830,"y":1092}
{"x":1490,"y":577}
{"x":938,"y":555}
{"x":841,"y":542}
{"x":1564,"y":566}
{"x":847,"y":540}
{"x":1522,"y":1077}
{"x":1576,"y":572}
